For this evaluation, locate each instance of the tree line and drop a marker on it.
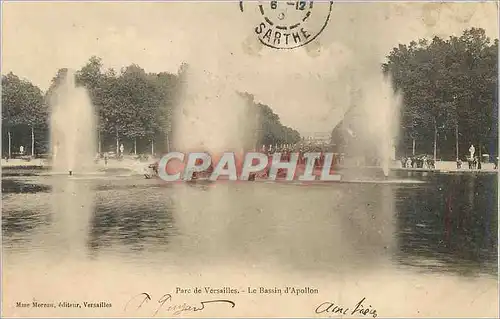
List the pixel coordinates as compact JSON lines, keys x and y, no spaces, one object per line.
{"x":449,"y":88}
{"x":450,"y":94}
{"x":133,"y":107}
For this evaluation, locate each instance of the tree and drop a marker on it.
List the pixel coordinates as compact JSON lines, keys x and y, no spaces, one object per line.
{"x":23,"y":107}
{"x":132,"y":105}
{"x":448,"y":86}
{"x":136,"y":106}
{"x":168,"y":87}
{"x":269,"y":130}
{"x":90,"y":75}
{"x":93,"y":79}
{"x":142,"y":102}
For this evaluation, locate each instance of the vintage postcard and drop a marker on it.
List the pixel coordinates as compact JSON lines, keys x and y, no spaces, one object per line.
{"x":243,"y":159}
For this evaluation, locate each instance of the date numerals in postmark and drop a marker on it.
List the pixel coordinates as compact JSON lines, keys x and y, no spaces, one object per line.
{"x":299,"y":5}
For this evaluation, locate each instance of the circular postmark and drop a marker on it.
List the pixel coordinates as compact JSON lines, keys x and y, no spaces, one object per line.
{"x":289,"y":24}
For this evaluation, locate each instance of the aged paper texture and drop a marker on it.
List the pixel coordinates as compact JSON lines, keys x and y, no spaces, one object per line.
{"x":249,"y":159}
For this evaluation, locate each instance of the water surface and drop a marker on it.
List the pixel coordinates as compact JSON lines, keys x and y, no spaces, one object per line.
{"x":427,"y":249}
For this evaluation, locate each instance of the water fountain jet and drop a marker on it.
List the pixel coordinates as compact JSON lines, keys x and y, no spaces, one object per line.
{"x":72,"y":128}
{"x":374,"y":118}
{"x":212,"y":115}
{"x":73,"y":143}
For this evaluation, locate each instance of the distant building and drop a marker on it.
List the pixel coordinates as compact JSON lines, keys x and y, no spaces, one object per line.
{"x":317,"y":138}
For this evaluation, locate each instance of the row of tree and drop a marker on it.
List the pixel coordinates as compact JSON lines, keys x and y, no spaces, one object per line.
{"x":450,"y":94}
{"x":449,"y":87}
{"x":133,"y":108}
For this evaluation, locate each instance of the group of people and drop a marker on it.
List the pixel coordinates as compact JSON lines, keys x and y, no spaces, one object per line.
{"x":418,"y":162}
{"x":287,"y":149}
{"x":105,"y":155}
{"x":100,"y":156}
{"x":286,"y":155}
{"x":474,"y":163}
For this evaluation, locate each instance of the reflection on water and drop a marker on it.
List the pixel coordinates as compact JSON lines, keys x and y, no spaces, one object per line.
{"x":10,"y":186}
{"x":432,"y":243}
{"x":121,"y":219}
{"x":296,"y":227}
{"x":453,"y":222}
{"x":449,"y":224}
{"x":22,"y":222}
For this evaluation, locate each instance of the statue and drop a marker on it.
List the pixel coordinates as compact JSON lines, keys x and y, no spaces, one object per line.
{"x":472,"y":150}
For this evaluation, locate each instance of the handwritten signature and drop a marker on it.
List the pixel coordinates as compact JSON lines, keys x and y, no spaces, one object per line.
{"x":359,"y":309}
{"x":164,"y":304}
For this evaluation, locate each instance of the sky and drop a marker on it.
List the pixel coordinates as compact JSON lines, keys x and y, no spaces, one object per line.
{"x":308,"y":87}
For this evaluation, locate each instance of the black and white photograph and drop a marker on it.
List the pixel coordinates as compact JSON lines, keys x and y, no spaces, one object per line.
{"x":249,"y":159}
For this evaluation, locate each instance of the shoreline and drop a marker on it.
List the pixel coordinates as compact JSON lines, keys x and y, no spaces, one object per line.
{"x":445,"y":167}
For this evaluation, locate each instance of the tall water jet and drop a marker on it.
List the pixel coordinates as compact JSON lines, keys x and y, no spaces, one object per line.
{"x":373,"y":123}
{"x":382,"y":107}
{"x":73,"y":143}
{"x":72,"y":127}
{"x":212,"y":116}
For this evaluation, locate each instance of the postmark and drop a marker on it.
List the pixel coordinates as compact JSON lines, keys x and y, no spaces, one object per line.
{"x":286,"y":25}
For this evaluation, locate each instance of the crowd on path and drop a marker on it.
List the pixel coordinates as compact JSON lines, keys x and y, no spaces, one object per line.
{"x":418,"y":162}
{"x":475,"y":162}
{"x":426,"y":162}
